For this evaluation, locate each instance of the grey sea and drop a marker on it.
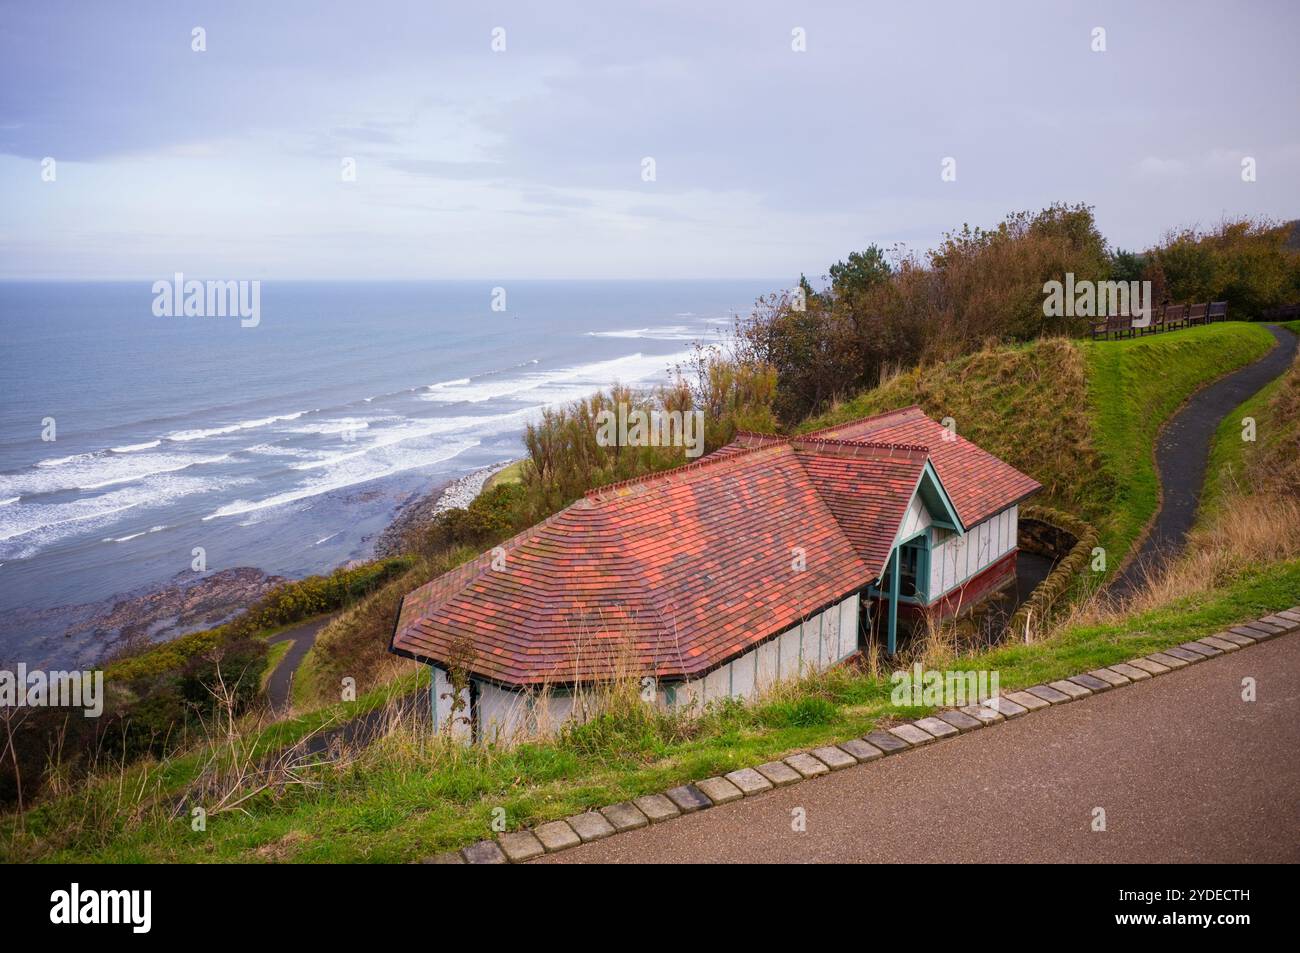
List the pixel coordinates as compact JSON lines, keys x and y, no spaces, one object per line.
{"x":129,"y":441}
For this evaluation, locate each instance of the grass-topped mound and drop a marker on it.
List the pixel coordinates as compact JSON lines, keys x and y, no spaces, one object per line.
{"x":1080,"y":417}
{"x":1026,"y":404}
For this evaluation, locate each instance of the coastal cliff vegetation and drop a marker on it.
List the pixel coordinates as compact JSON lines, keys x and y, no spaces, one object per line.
{"x":959,"y":330}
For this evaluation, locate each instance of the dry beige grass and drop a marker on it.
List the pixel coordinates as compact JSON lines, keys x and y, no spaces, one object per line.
{"x":1248,"y":531}
{"x":1027,"y":405}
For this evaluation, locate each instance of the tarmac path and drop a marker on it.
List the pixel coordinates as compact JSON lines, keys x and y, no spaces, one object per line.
{"x":1185,"y":769}
{"x":1183,"y":451}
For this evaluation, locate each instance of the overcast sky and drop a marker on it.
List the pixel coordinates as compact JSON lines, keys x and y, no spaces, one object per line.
{"x":528,"y":163}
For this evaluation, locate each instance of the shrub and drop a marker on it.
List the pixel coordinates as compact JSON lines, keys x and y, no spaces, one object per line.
{"x":979,"y":285}
{"x":157,"y":697}
{"x":1245,"y":262}
{"x":356,"y":643}
{"x":493,"y":514}
{"x":283,"y":605}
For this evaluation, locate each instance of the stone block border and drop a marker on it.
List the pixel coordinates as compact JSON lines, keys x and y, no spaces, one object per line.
{"x":525,"y":845}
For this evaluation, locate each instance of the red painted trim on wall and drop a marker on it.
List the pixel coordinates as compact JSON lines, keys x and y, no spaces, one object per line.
{"x":992,"y":578}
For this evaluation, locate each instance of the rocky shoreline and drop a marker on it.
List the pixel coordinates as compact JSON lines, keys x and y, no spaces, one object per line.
{"x":419,"y":511}
{"x":87,"y":633}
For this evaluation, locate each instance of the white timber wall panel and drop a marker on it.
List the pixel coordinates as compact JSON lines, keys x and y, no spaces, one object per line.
{"x":830,"y":647}
{"x":955,"y":559}
{"x":812,"y":643}
{"x":848,"y":626}
{"x":789,"y":653}
{"x":742,"y":675}
{"x":937,"y":560}
{"x":717,"y":684}
{"x":688,"y":693}
{"x":508,"y":715}
{"x":502,"y":713}
{"x":915,"y":519}
{"x":768,"y":659}
{"x":442,"y":706}
{"x":558,"y":710}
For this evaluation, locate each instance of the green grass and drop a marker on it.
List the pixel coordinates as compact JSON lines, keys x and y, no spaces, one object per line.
{"x":1232,"y":458}
{"x":511,"y":474}
{"x":385,"y":808}
{"x":306,"y":690}
{"x":1079,"y":417}
{"x":1230,"y":453}
{"x":274,"y":656}
{"x":276,"y":653}
{"x":1026,"y":404}
{"x":1134,"y":386}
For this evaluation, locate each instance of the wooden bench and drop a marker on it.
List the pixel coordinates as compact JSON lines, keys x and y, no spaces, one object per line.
{"x":1157,"y":321}
{"x":1118,"y":323}
{"x":1197,"y":314}
{"x":1218,"y":311}
{"x":1175,"y":316}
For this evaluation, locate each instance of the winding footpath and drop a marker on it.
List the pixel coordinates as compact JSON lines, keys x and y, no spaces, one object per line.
{"x":1183,"y":452}
{"x":457,"y":493}
{"x":279,"y":687}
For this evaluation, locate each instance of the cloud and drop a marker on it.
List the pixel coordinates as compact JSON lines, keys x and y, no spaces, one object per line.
{"x":469,"y":161}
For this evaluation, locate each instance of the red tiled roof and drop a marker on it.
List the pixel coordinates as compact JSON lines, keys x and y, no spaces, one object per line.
{"x":675,"y":573}
{"x":978,"y":483}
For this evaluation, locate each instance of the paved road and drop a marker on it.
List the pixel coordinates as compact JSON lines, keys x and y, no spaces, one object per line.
{"x":1183,"y":450}
{"x":1185,"y":770}
{"x":279,"y":686}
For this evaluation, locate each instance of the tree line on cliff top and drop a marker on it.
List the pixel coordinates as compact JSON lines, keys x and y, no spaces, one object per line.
{"x":879,"y":312}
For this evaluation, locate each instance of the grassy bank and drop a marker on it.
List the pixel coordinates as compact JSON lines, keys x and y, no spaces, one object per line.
{"x":407,"y":796}
{"x":1081,"y":417}
{"x":1236,"y":464}
{"x":1025,"y":404}
{"x":1134,"y":386}
{"x":274,"y":656}
{"x":509,"y":474}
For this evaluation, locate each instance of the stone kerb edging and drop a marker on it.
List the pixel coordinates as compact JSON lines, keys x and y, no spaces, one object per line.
{"x":594,"y":825}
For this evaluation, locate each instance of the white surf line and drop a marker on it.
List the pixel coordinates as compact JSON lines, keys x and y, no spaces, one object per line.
{"x":133,"y":447}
